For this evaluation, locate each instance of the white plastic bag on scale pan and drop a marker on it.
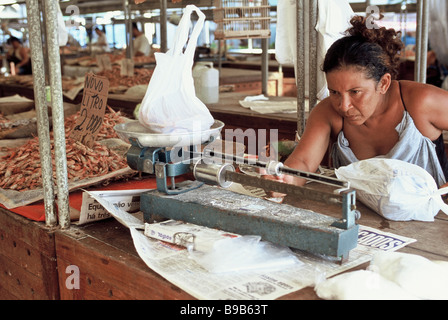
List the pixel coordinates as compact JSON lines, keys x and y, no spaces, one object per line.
{"x":395,"y":189}
{"x":170,"y":103}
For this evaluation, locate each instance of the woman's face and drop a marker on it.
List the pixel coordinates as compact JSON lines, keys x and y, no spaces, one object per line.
{"x":15,"y":44}
{"x":352,"y":95}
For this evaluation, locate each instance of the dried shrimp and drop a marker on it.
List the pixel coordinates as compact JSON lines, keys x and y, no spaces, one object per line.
{"x":20,"y":169}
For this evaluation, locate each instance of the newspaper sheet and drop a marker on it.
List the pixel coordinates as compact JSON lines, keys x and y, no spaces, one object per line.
{"x":91,"y":210}
{"x":174,"y":264}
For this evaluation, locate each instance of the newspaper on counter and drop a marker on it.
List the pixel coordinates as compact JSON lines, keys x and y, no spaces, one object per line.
{"x":174,"y":263}
{"x":92,"y":210}
{"x":186,"y":234}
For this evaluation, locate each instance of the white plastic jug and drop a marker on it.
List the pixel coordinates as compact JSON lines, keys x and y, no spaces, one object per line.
{"x":206,"y":82}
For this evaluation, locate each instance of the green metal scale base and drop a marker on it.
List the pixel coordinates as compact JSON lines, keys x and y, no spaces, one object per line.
{"x":242,"y":214}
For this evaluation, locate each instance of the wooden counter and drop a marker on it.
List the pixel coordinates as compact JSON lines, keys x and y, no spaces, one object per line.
{"x":247,"y":81}
{"x":34,"y":259}
{"x":254,"y":63}
{"x":234,"y":116}
{"x":28,"y":267}
{"x":111,"y":268}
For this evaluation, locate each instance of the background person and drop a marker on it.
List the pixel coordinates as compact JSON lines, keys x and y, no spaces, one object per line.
{"x":101,"y":42}
{"x":141,"y":42}
{"x":19,"y":55}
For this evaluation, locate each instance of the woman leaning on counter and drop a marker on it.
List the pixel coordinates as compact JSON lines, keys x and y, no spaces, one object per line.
{"x":369,"y":113}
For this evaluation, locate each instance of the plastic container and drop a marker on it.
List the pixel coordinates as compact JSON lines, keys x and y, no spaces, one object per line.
{"x":206,"y":82}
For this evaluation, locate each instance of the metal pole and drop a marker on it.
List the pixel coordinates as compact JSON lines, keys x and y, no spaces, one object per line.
{"x":43,"y":130}
{"x":163,"y":26}
{"x":313,"y":54}
{"x":424,"y":42}
{"x":220,"y":55}
{"x":300,"y":71}
{"x":264,"y":65}
{"x":128,"y":26}
{"x":57,"y":113}
{"x":418,"y":40}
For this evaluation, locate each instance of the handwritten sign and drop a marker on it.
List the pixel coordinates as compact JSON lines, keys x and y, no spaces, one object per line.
{"x":93,"y":107}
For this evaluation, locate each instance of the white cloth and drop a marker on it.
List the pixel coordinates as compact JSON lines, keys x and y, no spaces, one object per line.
{"x":141,"y":44}
{"x":62,"y":30}
{"x":438,"y":29}
{"x":333,"y":20}
{"x":390,"y":276}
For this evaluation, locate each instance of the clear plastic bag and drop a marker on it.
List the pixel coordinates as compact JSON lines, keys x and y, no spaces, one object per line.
{"x":170,"y":103}
{"x":245,"y":253}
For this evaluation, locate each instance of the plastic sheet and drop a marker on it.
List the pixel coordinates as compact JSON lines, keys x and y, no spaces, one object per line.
{"x":245,"y":253}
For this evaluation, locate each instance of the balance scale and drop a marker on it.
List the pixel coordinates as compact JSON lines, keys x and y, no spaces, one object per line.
{"x":206,"y":201}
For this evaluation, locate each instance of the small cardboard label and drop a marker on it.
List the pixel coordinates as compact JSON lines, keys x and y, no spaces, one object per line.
{"x":93,"y":107}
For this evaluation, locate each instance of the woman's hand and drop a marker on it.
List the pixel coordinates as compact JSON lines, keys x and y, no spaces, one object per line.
{"x":284,"y":178}
{"x":272,"y":194}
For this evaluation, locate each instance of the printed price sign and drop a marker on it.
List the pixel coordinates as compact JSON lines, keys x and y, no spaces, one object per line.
{"x":93,"y":107}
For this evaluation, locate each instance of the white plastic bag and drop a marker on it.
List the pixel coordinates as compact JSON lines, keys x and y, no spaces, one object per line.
{"x":395,"y":189}
{"x":415,"y":274}
{"x":361,"y":285}
{"x":170,"y":103}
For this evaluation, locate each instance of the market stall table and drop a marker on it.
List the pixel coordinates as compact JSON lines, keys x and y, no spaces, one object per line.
{"x":110,"y":268}
{"x":247,"y":81}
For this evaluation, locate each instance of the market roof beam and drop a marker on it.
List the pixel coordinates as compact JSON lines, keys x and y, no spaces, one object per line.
{"x":88,"y":6}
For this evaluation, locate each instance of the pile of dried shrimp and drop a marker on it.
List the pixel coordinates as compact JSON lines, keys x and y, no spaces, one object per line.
{"x":20,"y":169}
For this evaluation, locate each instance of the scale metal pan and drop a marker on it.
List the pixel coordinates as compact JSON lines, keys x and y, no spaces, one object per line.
{"x":147,"y":138}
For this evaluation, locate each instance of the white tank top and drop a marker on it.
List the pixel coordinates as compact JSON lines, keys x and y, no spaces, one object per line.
{"x":411,"y":147}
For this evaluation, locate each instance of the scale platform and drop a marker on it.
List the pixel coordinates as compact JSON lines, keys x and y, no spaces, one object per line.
{"x":134,"y":132}
{"x":283,"y":224}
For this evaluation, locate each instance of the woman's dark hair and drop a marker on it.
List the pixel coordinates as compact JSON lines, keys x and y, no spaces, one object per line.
{"x":375,"y":51}
{"x":12,"y":38}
